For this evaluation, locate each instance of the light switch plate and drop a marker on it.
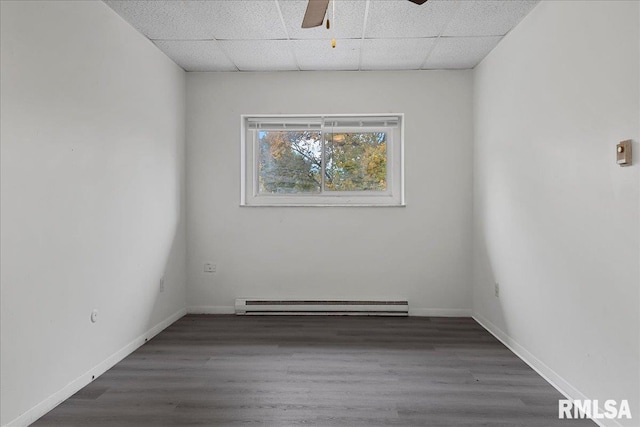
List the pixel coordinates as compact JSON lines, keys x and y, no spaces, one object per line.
{"x":623,"y":153}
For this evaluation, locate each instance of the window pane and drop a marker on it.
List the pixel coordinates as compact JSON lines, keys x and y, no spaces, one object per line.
{"x":356,"y":161}
{"x":289,"y":162}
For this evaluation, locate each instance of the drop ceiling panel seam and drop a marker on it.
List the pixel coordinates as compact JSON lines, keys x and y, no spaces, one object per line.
{"x":224,"y":52}
{"x":226,"y":55}
{"x":364,"y":29}
{"x":435,"y":43}
{"x":286,"y":32}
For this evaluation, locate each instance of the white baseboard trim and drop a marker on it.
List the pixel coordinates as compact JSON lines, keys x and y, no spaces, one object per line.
{"x":440,"y":312}
{"x":552,"y":377}
{"x":431,"y":312}
{"x":74,"y":386}
{"x":211,"y":309}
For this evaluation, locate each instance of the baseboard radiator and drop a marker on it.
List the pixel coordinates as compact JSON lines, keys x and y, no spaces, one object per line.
{"x":369,"y":307}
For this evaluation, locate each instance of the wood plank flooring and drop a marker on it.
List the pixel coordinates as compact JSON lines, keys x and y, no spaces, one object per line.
{"x":318,"y":371}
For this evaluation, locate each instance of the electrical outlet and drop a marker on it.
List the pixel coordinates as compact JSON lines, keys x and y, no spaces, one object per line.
{"x":209,"y":267}
{"x":162,"y":284}
{"x":497,"y":289}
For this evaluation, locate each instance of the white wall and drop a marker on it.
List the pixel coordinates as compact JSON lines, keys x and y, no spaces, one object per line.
{"x":421,"y":252}
{"x":92,"y":197}
{"x":556,"y":220}
{"x":92,"y":140}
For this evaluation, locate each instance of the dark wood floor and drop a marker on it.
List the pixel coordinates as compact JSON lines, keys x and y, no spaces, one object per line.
{"x":319,"y":371}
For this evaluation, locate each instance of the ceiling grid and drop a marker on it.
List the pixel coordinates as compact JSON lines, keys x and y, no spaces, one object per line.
{"x":265,"y":35}
{"x":424,"y":63}
{"x":364,"y":29}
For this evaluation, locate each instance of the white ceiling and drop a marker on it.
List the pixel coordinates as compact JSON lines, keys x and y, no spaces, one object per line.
{"x":265,"y":35}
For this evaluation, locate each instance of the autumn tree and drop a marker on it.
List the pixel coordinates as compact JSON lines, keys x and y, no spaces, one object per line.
{"x":291,"y":161}
{"x":357,"y":161}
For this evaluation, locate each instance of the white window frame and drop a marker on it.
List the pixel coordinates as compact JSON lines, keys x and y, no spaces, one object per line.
{"x":393,"y":196}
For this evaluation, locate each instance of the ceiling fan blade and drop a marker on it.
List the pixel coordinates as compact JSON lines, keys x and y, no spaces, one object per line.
{"x":418,"y":1}
{"x":314,"y":16}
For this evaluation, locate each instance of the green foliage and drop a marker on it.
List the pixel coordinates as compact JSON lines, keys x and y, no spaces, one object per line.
{"x":357,"y":162}
{"x":291,"y":162}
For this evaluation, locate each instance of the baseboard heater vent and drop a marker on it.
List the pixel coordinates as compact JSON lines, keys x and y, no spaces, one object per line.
{"x":323,"y":307}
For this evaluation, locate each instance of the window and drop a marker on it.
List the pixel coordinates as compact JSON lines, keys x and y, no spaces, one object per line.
{"x":343,"y":160}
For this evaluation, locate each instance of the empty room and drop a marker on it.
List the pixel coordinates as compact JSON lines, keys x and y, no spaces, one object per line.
{"x":320,"y":212}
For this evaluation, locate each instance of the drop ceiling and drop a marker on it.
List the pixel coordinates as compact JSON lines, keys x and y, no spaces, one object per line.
{"x":265,"y":35}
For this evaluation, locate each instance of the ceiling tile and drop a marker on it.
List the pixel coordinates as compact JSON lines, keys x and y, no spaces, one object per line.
{"x":196,"y":55}
{"x":251,"y":36}
{"x":319,"y":55}
{"x":401,"y":18}
{"x":260,"y":55}
{"x":488,"y":17}
{"x":198,"y":20}
{"x":460,"y":52}
{"x":248,"y":20}
{"x":181,"y":20}
{"x":395,"y":54}
{"x":349,"y":18}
